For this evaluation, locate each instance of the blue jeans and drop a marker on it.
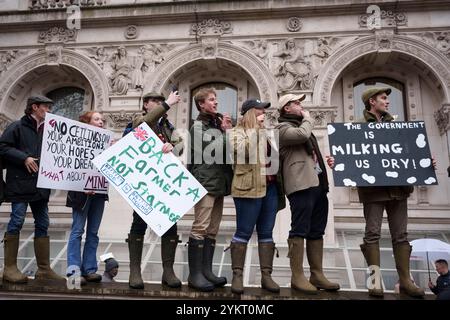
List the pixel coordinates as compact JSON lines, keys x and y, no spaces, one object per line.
{"x":92,"y":213}
{"x":256,"y":211}
{"x":40,"y":214}
{"x":309,"y":213}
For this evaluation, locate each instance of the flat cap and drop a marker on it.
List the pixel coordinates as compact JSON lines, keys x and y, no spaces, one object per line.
{"x":370,"y":92}
{"x":38,"y":99}
{"x":284,"y":100}
{"x":154,"y":95}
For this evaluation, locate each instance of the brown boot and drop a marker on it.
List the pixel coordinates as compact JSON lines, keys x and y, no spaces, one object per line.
{"x":298,"y":280}
{"x":402,"y":253}
{"x":314,"y":251}
{"x":371,"y":252}
{"x":135,"y":244}
{"x":168,"y":249}
{"x":42,"y":252}
{"x":10,"y":272}
{"x":266,"y":251}
{"x":238,"y":251}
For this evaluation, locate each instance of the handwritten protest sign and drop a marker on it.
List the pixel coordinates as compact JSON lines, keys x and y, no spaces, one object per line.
{"x":68,"y":148}
{"x":155,"y":184}
{"x":381,"y":154}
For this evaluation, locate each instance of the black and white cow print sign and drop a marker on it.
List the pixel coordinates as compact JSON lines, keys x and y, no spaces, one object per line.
{"x":381,"y":154}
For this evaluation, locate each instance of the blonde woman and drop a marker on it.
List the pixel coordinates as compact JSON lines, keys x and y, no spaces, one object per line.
{"x":255,"y":194}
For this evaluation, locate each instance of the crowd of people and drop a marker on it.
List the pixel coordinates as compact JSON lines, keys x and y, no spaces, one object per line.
{"x":258,"y":191}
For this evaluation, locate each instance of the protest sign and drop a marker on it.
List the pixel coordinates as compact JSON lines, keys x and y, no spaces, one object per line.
{"x":381,"y":154}
{"x":68,"y":148}
{"x":155,"y":184}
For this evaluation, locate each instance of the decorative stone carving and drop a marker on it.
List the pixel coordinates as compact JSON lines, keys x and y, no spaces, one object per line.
{"x":260,"y":48}
{"x":98,"y":54}
{"x":357,"y":48}
{"x":131,"y":32}
{"x":383,"y":39}
{"x":4,"y":122}
{"x":322,"y":117}
{"x":388,"y":19}
{"x":211,"y":27}
{"x":120,"y":78}
{"x":438,"y":40}
{"x":209,"y":47}
{"x":271,"y":117}
{"x":120,"y":119}
{"x":148,"y":57}
{"x":53,"y":54}
{"x":294,"y":24}
{"x":243,"y":58}
{"x":291,"y":69}
{"x":7,"y":58}
{"x":57,"y":35}
{"x":57,"y":4}
{"x":442,"y":117}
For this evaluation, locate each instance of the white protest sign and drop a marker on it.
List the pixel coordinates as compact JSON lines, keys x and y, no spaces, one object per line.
{"x":155,"y":184}
{"x":68,"y":148}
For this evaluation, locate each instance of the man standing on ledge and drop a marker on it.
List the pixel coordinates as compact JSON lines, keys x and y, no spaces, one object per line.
{"x":20,"y":147}
{"x":392,"y":199}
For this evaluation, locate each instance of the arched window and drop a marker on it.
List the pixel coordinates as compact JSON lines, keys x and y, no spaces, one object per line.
{"x":396,"y":98}
{"x":68,"y":102}
{"x":226,"y":98}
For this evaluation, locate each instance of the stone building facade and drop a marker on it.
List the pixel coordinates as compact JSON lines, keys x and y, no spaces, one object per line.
{"x":327,"y":49}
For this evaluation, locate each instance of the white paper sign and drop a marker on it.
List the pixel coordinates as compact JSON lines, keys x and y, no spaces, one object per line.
{"x":155,"y":184}
{"x":68,"y":148}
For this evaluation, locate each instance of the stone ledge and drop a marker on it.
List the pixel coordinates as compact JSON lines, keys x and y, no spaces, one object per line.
{"x":108,"y":291}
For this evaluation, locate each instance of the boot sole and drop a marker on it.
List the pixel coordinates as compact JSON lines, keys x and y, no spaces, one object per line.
{"x":402,"y":291}
{"x":305,"y":291}
{"x":204,"y":289}
{"x":271,"y":290}
{"x":174,"y":286}
{"x":136,"y":286}
{"x":237,"y":291}
{"x":15,"y":281}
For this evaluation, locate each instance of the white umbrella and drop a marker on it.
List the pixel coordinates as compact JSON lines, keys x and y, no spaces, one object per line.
{"x":430,"y":249}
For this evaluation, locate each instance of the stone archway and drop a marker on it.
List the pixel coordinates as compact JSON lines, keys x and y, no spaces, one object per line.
{"x":70,"y":58}
{"x":337,"y":62}
{"x":255,"y":68}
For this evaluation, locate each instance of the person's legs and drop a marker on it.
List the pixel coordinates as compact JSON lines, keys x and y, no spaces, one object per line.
{"x":42,"y":241}
{"x":135,"y":242}
{"x":397,"y":212}
{"x":169,"y":243}
{"x":247,"y":210}
{"x":373,"y":214}
{"x":94,"y":218}
{"x":314,"y":241}
{"x":202,"y":218}
{"x":247,"y":213}
{"x":41,"y":220}
{"x":210,"y":243}
{"x":79,"y":218}
{"x":301,"y":203}
{"x":17,"y":217}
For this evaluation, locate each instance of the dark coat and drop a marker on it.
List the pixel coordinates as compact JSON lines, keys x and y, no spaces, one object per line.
{"x":377,"y":194}
{"x":19,"y":141}
{"x":216,"y":178}
{"x":77,"y":200}
{"x":442,"y":283}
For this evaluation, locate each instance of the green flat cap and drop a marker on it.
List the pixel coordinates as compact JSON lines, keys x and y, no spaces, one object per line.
{"x":154,"y":95}
{"x":38,"y":100}
{"x":370,"y":92}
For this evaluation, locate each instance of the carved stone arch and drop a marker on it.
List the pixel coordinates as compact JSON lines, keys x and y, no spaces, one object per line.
{"x":75,"y":60}
{"x":263,"y":79}
{"x":339,"y":60}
